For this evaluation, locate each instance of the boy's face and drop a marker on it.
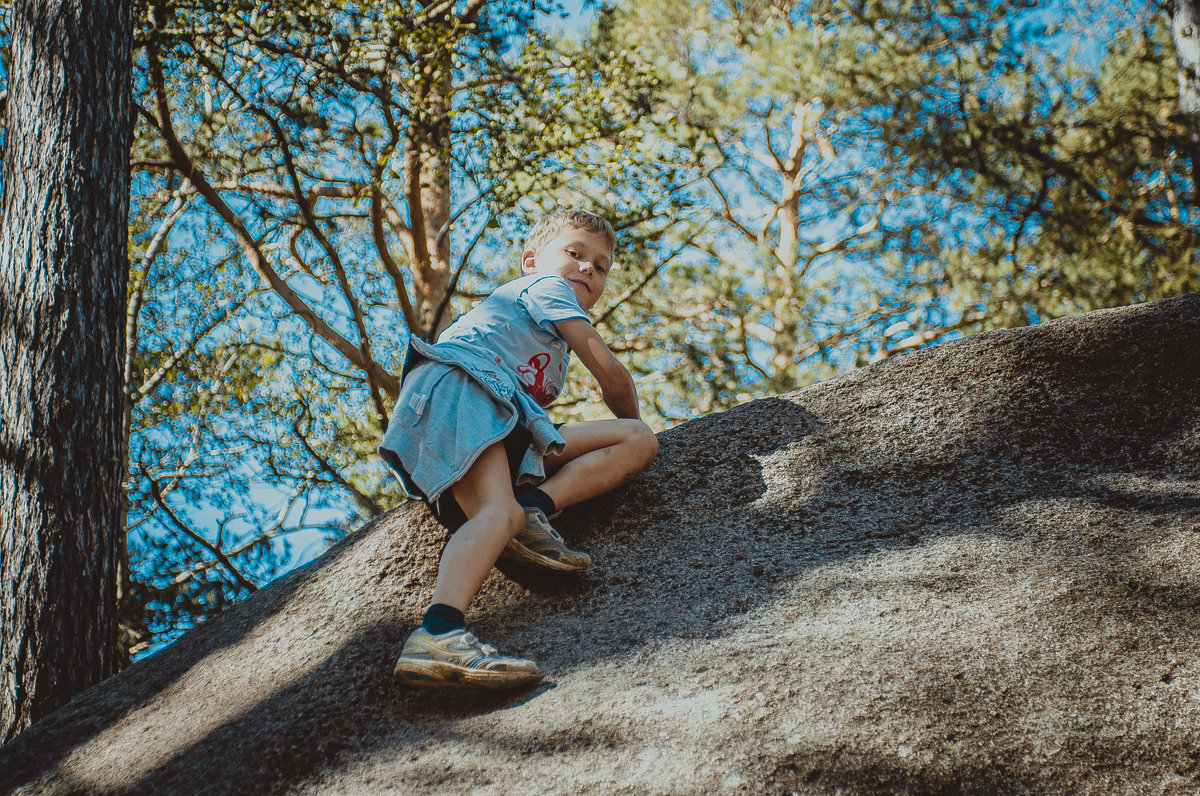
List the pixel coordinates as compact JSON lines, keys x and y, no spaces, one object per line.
{"x":580,"y":256}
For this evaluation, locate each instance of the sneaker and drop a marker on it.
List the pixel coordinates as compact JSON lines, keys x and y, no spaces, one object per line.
{"x":539,"y":545}
{"x":457,"y":658}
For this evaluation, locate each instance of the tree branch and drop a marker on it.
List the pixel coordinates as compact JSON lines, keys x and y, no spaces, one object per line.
{"x":246,"y":240}
{"x":220,"y":556}
{"x":389,"y":263}
{"x":361,"y":498}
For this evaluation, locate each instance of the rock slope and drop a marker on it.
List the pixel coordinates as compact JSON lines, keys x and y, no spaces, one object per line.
{"x":975,"y":568}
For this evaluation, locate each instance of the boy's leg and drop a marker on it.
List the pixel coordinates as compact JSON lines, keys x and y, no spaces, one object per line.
{"x":493,"y":517}
{"x":456,"y":657}
{"x":600,"y":456}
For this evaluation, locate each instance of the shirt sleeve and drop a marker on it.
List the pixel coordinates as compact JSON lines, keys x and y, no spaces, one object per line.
{"x":550,"y":300}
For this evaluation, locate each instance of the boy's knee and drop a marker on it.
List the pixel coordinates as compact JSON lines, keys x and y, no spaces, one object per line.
{"x":507,"y":516}
{"x":514,"y":517}
{"x":643,"y":440}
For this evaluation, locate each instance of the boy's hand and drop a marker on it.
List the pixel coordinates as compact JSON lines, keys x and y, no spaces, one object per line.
{"x":616,"y":385}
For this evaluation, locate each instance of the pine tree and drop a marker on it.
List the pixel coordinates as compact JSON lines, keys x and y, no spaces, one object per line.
{"x":62,"y":294}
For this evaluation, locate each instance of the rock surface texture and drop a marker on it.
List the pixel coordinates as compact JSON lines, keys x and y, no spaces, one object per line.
{"x":974,"y":568}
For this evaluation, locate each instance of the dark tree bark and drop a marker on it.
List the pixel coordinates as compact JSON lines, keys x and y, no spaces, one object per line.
{"x":63,"y":274}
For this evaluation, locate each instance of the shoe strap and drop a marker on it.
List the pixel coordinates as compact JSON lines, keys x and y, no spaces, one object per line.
{"x":551,"y":529}
{"x":486,"y":649}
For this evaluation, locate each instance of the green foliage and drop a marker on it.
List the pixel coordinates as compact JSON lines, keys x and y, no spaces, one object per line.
{"x":1067,"y":179}
{"x":778,"y":277}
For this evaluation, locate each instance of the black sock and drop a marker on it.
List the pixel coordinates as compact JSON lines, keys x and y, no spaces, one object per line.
{"x":534,"y":498}
{"x":442,"y":618}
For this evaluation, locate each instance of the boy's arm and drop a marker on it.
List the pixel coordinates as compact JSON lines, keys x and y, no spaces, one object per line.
{"x":616,"y":385}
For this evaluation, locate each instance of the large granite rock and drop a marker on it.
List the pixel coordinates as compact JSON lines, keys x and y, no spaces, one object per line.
{"x":975,"y":568}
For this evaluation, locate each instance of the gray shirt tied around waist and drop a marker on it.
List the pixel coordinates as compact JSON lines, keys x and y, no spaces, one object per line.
{"x":493,"y":369}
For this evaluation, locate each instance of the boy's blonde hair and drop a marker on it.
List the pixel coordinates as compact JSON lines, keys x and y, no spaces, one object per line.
{"x":556,"y":222}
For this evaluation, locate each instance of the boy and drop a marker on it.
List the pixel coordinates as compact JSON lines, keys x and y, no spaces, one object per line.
{"x":470,"y":424}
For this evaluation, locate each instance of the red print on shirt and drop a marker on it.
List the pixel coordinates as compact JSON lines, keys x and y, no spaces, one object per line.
{"x":533,"y":376}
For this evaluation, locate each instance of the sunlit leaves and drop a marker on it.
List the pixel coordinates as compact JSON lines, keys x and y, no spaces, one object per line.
{"x":1067,"y":164}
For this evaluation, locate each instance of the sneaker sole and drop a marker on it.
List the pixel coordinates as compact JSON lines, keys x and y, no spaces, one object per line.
{"x":430,"y":674}
{"x":520,"y":553}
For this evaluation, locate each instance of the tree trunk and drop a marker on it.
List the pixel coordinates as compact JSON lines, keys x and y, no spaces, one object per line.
{"x":63,"y":274}
{"x":1185,"y":31}
{"x":427,"y":169}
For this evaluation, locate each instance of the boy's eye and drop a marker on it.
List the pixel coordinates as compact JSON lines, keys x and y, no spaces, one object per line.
{"x":572,"y":252}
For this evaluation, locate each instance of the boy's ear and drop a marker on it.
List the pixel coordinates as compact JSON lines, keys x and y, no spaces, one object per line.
{"x":528,"y":261}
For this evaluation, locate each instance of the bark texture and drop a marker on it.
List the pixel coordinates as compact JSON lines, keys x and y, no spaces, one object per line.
{"x":969,"y":569}
{"x":1185,"y":33}
{"x":63,"y":274}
